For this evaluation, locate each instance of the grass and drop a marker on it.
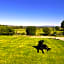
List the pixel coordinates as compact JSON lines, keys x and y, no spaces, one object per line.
{"x":19,"y":50}
{"x":20,"y":30}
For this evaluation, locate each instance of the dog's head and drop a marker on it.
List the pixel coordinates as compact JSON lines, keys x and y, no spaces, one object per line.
{"x":41,"y":41}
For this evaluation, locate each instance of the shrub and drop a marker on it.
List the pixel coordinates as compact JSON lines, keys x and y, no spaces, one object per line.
{"x":46,"y":30}
{"x":54,"y":34}
{"x":62,"y":26}
{"x":31,"y":30}
{"x":5,"y":30}
{"x":57,"y":28}
{"x":23,"y":33}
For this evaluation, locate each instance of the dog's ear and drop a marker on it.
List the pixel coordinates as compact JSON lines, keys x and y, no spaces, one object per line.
{"x":41,"y":40}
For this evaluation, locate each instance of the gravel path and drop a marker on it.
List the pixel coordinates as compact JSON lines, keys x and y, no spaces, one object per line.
{"x":61,"y":38}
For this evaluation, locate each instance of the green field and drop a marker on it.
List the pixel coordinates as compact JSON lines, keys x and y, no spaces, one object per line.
{"x":18,"y":50}
{"x":20,"y":31}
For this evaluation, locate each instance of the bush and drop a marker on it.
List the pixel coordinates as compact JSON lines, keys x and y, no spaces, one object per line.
{"x":46,"y":30}
{"x":5,"y":30}
{"x":31,"y":30}
{"x":23,"y":33}
{"x":57,"y":28}
{"x":62,"y":26}
{"x":57,"y":33}
{"x":54,"y":34}
{"x":44,"y":34}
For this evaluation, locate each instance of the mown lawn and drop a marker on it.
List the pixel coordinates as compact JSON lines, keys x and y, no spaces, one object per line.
{"x":19,"y":50}
{"x":20,"y":31}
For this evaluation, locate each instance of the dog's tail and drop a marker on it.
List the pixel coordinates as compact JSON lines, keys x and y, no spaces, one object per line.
{"x":35,"y":47}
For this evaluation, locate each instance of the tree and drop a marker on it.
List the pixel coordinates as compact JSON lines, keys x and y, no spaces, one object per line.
{"x":46,"y":30}
{"x":31,"y":30}
{"x":57,"y":28}
{"x":6,"y":30}
{"x":62,"y":26}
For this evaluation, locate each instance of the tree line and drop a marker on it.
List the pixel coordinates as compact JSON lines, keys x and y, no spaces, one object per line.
{"x":6,"y":30}
{"x":30,"y":30}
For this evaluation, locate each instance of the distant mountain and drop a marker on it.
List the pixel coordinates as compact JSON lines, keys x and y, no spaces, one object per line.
{"x":26,"y":26}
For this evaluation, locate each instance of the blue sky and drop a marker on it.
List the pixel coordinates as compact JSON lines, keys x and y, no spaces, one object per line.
{"x":32,"y":12}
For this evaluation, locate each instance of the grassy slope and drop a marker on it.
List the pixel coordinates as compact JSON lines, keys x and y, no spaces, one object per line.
{"x":19,"y":50}
{"x":20,"y":30}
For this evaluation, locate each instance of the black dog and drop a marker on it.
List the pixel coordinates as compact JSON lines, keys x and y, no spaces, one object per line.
{"x":41,"y":46}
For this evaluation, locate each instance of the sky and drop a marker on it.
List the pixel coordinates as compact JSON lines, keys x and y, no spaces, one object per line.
{"x":32,"y":12}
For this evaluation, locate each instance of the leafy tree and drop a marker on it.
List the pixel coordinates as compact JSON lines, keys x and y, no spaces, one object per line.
{"x":46,"y":30}
{"x":31,"y":30}
{"x":57,"y":28}
{"x":5,"y":30}
{"x":62,"y":26}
